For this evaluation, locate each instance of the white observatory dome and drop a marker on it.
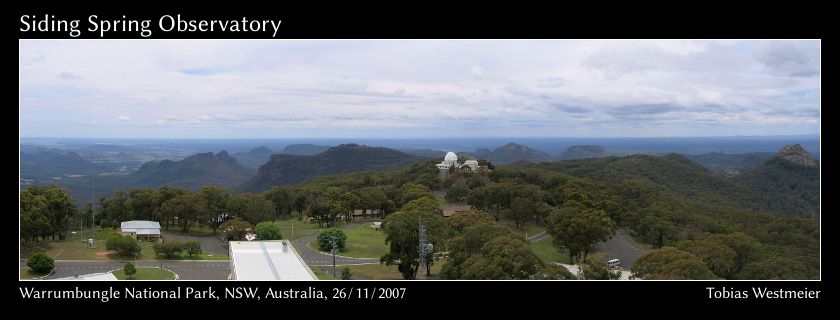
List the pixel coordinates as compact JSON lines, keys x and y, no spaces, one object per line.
{"x":450,"y":156}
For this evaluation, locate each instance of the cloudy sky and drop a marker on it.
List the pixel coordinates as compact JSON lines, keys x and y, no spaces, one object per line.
{"x":417,"y":89}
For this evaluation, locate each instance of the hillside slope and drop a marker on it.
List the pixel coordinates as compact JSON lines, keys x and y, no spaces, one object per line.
{"x":285,"y":169}
{"x":788,"y":183}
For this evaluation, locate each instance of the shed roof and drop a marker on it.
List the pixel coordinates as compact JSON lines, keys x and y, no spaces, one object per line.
{"x":451,"y":210}
{"x":139,"y":224}
{"x":148,"y":232}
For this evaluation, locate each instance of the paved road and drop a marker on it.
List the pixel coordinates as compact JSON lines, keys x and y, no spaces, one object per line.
{"x":317,"y":258}
{"x":186,"y":270}
{"x":209,"y":244}
{"x":575,"y":270}
{"x":623,"y":247}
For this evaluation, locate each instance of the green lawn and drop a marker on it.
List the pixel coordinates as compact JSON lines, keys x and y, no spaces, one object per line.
{"x":548,"y":253}
{"x":362,"y":242}
{"x":293,"y":229}
{"x":26,"y":273}
{"x":71,"y":248}
{"x":146,"y":274}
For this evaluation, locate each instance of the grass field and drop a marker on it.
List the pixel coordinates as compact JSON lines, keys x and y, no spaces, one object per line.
{"x":71,"y":248}
{"x":546,"y":251}
{"x":362,"y":242}
{"x":146,"y":274}
{"x":292,"y":229}
{"x":26,"y":273}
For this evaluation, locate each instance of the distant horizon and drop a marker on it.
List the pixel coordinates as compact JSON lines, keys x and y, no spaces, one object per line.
{"x":433,"y":137}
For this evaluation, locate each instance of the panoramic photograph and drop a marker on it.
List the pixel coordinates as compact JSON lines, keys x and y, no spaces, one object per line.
{"x":419,"y":160}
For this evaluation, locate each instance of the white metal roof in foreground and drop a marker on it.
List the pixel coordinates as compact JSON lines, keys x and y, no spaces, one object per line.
{"x":267,"y":260}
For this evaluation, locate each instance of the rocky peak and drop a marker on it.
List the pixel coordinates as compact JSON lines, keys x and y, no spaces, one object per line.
{"x":796,"y":154}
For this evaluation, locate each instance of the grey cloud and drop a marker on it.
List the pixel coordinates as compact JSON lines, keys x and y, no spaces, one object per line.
{"x":655,"y":108}
{"x":571,"y":109}
{"x":798,"y":112}
{"x":68,"y":76}
{"x":795,"y":59}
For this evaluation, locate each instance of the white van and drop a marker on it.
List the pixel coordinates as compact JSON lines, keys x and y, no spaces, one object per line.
{"x":614,"y":263}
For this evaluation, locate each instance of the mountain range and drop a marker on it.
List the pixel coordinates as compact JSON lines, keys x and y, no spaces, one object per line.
{"x":284,"y":169}
{"x":786,"y":182}
{"x":512,"y":152}
{"x":193,"y":172}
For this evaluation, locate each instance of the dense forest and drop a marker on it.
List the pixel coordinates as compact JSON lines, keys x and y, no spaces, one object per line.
{"x":667,"y":202}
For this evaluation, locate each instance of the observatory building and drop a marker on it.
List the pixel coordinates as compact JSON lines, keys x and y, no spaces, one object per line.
{"x":451,"y":159}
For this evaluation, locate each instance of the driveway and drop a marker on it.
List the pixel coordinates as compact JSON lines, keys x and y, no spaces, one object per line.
{"x":209,"y":244}
{"x":575,"y":270}
{"x":623,"y":247}
{"x":186,"y":270}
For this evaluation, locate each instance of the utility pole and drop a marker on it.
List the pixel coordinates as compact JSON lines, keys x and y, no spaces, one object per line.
{"x":93,"y":211}
{"x":424,"y":248}
{"x":333,"y":245}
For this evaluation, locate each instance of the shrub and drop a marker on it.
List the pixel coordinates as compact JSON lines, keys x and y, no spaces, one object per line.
{"x":192,"y":247}
{"x":170,"y":249}
{"x":125,"y":246}
{"x":40,"y":263}
{"x":235,"y":229}
{"x":346,"y":274}
{"x":268,"y":230}
{"x":129,"y":269}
